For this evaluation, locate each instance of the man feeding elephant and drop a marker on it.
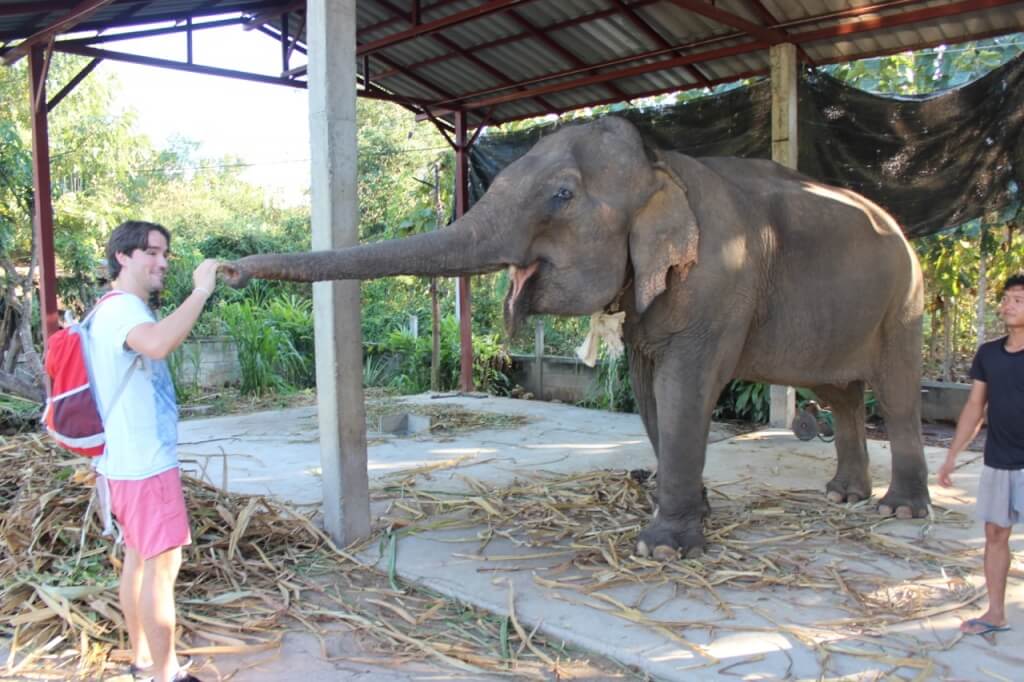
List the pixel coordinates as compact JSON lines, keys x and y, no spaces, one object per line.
{"x":724,"y":268}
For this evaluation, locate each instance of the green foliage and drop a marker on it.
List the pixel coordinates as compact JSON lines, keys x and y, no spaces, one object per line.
{"x":267,"y":351}
{"x":612,"y":390}
{"x":744,"y":400}
{"x":402,"y":361}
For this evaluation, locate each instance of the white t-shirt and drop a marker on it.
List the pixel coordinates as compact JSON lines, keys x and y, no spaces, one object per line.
{"x":142,"y":427}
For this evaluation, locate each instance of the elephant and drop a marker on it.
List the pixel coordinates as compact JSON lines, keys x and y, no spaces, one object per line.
{"x":725,"y":268}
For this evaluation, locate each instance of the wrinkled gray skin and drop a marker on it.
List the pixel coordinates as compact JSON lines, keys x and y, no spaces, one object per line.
{"x":725,"y":268}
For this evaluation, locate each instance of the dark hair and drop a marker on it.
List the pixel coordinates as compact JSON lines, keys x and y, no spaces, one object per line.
{"x":128,"y":236}
{"x":1012,"y":281}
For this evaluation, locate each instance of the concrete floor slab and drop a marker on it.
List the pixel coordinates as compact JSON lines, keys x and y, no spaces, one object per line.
{"x":277,"y":454}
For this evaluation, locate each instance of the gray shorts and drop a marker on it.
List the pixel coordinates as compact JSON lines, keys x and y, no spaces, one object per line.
{"x":1001,"y":496}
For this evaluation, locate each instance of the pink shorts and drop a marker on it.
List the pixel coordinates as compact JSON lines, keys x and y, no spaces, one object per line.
{"x":151,"y":513}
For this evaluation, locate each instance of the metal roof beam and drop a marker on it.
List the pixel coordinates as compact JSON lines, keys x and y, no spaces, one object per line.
{"x":769,"y":19}
{"x":658,"y":39}
{"x":552,"y":44}
{"x":615,"y":75}
{"x":431,"y":26}
{"x":263,"y":17}
{"x":768,"y":35}
{"x":37,"y":7}
{"x":132,"y":35}
{"x":875,"y":22}
{"x":451,"y":45}
{"x":86,"y":51}
{"x":866,"y":24}
{"x":77,"y":15}
{"x":547,"y":30}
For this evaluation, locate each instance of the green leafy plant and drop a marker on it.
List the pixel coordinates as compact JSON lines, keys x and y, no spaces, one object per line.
{"x":744,"y":400}
{"x":266,"y":353}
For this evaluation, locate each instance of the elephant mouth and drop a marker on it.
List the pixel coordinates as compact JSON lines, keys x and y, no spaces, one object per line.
{"x":516,"y":308}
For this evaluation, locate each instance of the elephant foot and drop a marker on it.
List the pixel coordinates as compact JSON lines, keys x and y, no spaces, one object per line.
{"x":904,"y":505}
{"x":667,"y":540}
{"x":841,"y":490}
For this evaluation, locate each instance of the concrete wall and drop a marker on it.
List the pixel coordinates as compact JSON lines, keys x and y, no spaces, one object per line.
{"x":942,"y":401}
{"x":561,"y":378}
{"x":208,"y":362}
{"x":569,"y":380}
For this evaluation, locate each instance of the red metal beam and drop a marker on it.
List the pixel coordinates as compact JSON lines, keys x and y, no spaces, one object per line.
{"x":452,"y":46}
{"x":768,"y":35}
{"x":658,"y":39}
{"x":37,"y":7}
{"x":769,"y":19}
{"x":517,"y":37}
{"x":72,"y":84}
{"x":873,"y":23}
{"x":558,"y":26}
{"x":615,"y":75}
{"x":132,"y":35}
{"x":265,"y":16}
{"x":431,"y":26}
{"x":80,"y":13}
{"x":86,"y":51}
{"x":42,"y":199}
{"x":867,"y":24}
{"x":552,"y":44}
{"x":649,"y":93}
{"x":461,"y":206}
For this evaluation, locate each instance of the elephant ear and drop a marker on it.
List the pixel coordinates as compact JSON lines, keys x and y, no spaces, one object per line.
{"x":664,"y":236}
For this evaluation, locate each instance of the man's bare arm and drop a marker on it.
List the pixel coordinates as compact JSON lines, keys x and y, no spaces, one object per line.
{"x":967,"y":427}
{"x":157,"y":340}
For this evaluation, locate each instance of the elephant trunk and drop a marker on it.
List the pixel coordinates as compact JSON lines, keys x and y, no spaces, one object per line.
{"x":461,"y":249}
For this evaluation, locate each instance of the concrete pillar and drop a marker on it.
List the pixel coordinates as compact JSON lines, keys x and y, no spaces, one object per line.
{"x":784,"y":151}
{"x":331,"y":37}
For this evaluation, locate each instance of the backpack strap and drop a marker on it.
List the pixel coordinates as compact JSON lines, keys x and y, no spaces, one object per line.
{"x":124,"y":384}
{"x":86,"y":324}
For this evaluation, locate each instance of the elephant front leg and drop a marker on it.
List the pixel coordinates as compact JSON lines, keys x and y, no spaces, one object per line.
{"x":684,"y":415}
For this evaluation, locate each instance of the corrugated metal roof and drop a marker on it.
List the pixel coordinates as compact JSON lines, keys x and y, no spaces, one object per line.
{"x":509,"y":59}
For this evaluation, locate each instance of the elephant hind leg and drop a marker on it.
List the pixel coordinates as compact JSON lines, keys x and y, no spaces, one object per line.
{"x":899,"y":400}
{"x":852,"y":482}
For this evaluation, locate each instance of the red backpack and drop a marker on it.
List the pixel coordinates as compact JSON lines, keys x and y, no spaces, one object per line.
{"x":72,"y":415}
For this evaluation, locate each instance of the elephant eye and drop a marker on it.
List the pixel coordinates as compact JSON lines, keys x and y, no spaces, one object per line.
{"x":563,"y":193}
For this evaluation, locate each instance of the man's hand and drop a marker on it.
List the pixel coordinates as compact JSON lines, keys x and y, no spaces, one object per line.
{"x":943,"y":474}
{"x":205,"y":275}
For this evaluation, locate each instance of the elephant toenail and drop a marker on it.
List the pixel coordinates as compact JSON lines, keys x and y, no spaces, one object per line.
{"x":885,"y":510}
{"x":642,"y":550}
{"x":904,"y":513}
{"x":835,"y":496}
{"x":666,"y":553}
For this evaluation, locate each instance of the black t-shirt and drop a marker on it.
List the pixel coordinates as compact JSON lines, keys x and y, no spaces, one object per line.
{"x":1003,"y":374}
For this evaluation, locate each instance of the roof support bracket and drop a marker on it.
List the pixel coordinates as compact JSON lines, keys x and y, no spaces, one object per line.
{"x":72,"y":84}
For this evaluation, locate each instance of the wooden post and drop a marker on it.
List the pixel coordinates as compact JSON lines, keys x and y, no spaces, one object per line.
{"x":785,"y":152}
{"x":334,"y":215}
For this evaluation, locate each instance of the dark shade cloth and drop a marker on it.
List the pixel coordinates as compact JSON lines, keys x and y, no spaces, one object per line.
{"x":1003,"y":374}
{"x":934,"y":162}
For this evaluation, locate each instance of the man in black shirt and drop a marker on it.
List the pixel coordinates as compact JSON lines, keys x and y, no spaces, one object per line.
{"x":998,"y":383}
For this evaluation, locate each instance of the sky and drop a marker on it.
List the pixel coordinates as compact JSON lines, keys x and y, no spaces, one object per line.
{"x":265,"y":125}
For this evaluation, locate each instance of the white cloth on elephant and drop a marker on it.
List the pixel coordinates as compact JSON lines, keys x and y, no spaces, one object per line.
{"x":604,"y":327}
